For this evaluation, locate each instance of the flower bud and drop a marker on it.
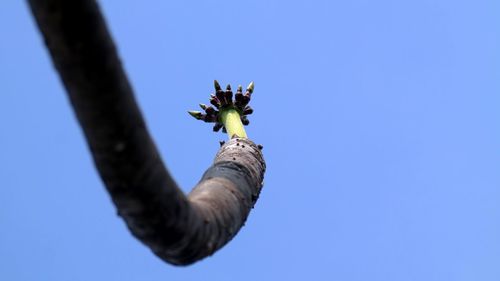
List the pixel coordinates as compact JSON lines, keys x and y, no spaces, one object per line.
{"x":217,"y":86}
{"x":248,"y":110}
{"x":196,"y":114}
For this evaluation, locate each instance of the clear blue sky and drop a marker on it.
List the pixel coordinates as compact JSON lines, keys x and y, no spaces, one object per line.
{"x":379,"y":121}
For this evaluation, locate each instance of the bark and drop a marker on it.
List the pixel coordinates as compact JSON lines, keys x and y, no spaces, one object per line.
{"x":179,"y":229}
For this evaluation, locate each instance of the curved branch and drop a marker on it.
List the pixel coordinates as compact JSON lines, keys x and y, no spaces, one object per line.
{"x":178,"y":229}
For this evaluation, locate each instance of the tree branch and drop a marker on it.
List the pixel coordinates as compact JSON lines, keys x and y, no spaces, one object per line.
{"x":178,"y":229}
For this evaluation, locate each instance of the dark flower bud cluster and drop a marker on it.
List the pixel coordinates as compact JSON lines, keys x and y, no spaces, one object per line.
{"x":223,"y":100}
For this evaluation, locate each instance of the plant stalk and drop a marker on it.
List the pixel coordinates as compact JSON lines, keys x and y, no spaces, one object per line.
{"x":232,"y":121}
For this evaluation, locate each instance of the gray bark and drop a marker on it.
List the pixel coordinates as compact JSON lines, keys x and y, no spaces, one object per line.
{"x":179,"y":229}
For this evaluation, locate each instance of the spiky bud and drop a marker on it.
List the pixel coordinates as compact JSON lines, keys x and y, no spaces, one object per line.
{"x":196,"y":114}
{"x":248,"y":110}
{"x":228,"y":95}
{"x":250,"y":87}
{"x":238,"y":98}
{"x":217,"y":86}
{"x":222,"y":105}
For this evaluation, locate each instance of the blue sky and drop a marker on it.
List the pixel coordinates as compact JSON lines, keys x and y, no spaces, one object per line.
{"x":379,"y":121}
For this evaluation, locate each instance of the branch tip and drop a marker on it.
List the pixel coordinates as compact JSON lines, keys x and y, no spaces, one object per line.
{"x":230,"y":113}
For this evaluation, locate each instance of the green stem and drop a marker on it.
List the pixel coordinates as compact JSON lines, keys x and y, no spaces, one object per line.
{"x":231,"y":120}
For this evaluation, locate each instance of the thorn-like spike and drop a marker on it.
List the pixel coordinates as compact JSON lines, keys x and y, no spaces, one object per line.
{"x":250,"y":87}
{"x":224,"y":130}
{"x":217,"y":86}
{"x":240,"y":89}
{"x":203,"y":106}
{"x":195,"y":114}
{"x":228,"y":87}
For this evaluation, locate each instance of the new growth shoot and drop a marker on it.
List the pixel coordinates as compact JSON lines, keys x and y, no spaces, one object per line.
{"x":227,"y":114}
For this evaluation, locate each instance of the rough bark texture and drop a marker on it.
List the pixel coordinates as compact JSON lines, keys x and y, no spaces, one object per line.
{"x":179,"y":229}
